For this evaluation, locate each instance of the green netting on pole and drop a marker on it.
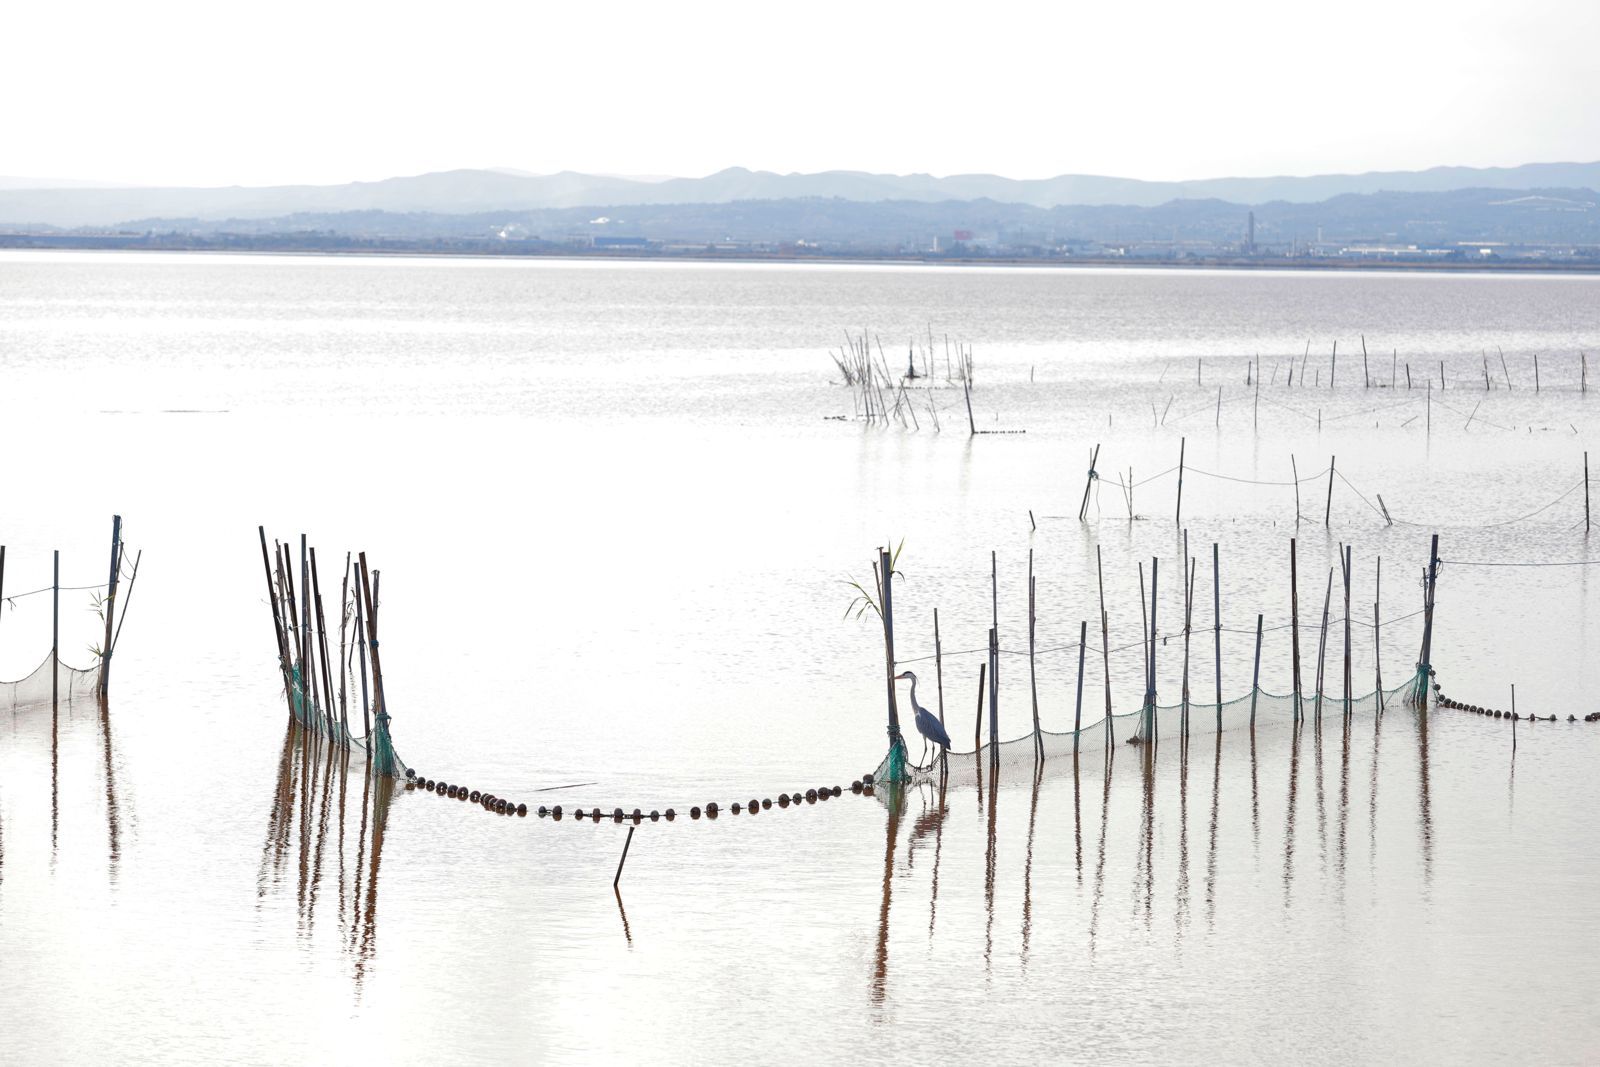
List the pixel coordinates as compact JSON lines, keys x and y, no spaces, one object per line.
{"x":379,"y":746}
{"x":895,"y":767}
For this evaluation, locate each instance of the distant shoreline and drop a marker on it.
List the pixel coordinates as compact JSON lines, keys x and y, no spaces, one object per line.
{"x":489,"y":250}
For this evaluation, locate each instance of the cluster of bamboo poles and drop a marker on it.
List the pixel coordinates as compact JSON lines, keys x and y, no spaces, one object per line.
{"x":880,"y":395}
{"x":1150,"y":639}
{"x":304,"y":653}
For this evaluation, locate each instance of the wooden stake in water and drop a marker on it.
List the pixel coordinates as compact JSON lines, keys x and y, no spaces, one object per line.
{"x":1077,"y":714}
{"x":1503,"y":369}
{"x":1328,"y":513}
{"x":1294,"y":469}
{"x":111,"y":603}
{"x":1255,"y":674}
{"x":1322,"y":643}
{"x":1033,"y":678}
{"x":1083,"y":508}
{"x":1366,"y":377}
{"x":1294,"y":623}
{"x":1151,"y":735}
{"x":994,"y":650}
{"x":885,"y":568}
{"x":1188,"y":621}
{"x":1178,"y":515}
{"x":1216,"y":615}
{"x":1377,"y":643}
{"x":1536,"y":372}
{"x":624,"y":858}
{"x":1586,"y":492}
{"x":1333,"y":366}
{"x":1346,"y":560}
{"x":938,"y":649}
{"x":977,"y":725}
{"x":277,"y":620}
{"x":994,"y":693}
{"x":1105,"y":638}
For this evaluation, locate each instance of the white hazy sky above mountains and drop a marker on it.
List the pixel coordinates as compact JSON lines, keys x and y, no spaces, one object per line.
{"x":190,"y":93}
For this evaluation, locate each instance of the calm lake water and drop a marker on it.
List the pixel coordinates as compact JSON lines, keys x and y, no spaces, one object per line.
{"x":615,"y":511}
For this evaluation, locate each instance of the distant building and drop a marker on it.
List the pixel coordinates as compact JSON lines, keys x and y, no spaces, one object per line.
{"x":602,"y":243}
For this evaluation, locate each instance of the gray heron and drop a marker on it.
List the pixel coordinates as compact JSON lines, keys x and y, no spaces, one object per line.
{"x":928,"y":724}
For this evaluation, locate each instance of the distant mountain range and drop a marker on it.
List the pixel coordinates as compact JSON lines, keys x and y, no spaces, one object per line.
{"x":469,"y":192}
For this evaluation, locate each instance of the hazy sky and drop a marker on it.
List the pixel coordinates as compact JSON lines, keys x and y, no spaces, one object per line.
{"x":182,"y":92}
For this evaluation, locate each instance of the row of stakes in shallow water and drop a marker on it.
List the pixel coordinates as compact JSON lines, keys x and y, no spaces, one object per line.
{"x":502,"y":806}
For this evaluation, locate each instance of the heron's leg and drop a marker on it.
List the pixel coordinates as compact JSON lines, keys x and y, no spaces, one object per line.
{"x":924,"y":751}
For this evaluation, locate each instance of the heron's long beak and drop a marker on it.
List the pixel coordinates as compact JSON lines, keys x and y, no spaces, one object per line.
{"x":902,"y":676}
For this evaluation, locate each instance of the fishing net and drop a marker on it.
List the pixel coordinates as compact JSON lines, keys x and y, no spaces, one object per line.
{"x":1167,"y":722}
{"x":377,"y":745}
{"x":71,"y":684}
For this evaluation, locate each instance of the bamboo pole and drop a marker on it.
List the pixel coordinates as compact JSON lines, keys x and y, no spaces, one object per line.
{"x":1178,"y":516}
{"x":1033,"y":678}
{"x":382,"y":703}
{"x":624,"y":858}
{"x":1377,"y":643}
{"x":966,"y":391}
{"x":1105,"y":640}
{"x":361,"y":651}
{"x":277,"y":622}
{"x":1322,"y":643}
{"x":885,"y":568}
{"x":1294,"y":623}
{"x":1083,"y":509}
{"x":1151,"y":735}
{"x":1536,"y":372}
{"x":344,"y":600}
{"x":1295,"y":469}
{"x":1366,"y":378}
{"x":977,"y":726}
{"x":1427,"y":624}
{"x":1188,"y":623}
{"x":1503,"y":369}
{"x":1216,"y":615}
{"x":1144,"y":646}
{"x":111,"y":603}
{"x":1328,"y":514}
{"x":1077,"y":714}
{"x":322,"y":644}
{"x":994,"y":650}
{"x":1333,"y":366}
{"x":1348,"y":563}
{"x":1255,"y":674}
{"x":994,"y":699}
{"x":1586,"y":492}
{"x":938,"y":647}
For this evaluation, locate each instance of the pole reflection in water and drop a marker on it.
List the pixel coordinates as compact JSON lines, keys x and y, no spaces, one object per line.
{"x":1100,"y":860}
{"x":113,"y":809}
{"x":894,"y":799}
{"x":1289,"y":812}
{"x":1027,"y":864}
{"x":1051,"y":889}
{"x":1211,"y":852}
{"x":1425,"y":813}
{"x":930,"y":821}
{"x":315,"y":783}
